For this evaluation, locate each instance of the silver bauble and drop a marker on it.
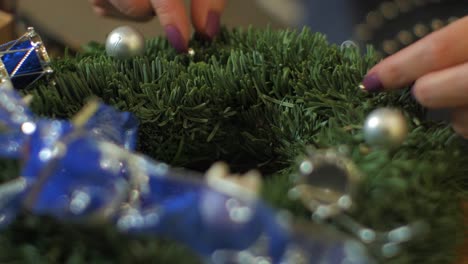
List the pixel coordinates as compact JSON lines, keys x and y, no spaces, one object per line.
{"x":125,"y":42}
{"x":385,"y":127}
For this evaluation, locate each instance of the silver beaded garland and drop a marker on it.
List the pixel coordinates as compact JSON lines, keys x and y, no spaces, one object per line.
{"x":125,"y":42}
{"x":385,"y":127}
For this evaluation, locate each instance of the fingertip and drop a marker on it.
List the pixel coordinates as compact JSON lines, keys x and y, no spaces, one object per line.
{"x":397,"y":71}
{"x":420,"y":93}
{"x":206,"y":17}
{"x":385,"y":75}
{"x":460,"y":129}
{"x":99,"y":7}
{"x":176,"y":39}
{"x":213,"y":24}
{"x":100,"y":11}
{"x":97,"y":2}
{"x":173,"y":17}
{"x":426,"y":91}
{"x":372,"y":83}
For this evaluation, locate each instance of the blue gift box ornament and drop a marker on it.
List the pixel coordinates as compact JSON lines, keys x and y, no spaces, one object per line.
{"x":24,"y":60}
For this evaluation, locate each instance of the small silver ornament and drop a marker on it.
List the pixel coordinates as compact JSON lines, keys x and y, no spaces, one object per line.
{"x":125,"y":42}
{"x":191,"y":52}
{"x":385,"y":127}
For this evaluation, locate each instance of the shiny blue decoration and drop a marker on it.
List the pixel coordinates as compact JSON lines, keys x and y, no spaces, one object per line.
{"x":86,"y":169}
{"x":24,"y":60}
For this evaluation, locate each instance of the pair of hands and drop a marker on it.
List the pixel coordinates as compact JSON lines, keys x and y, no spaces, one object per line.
{"x":437,"y":64}
{"x":172,"y":15}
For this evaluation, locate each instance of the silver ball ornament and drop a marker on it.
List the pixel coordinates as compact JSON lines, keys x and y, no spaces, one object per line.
{"x":125,"y":42}
{"x":385,"y":127}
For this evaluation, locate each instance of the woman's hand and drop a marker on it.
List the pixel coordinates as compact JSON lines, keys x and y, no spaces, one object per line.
{"x":438,"y":66}
{"x":171,"y":13}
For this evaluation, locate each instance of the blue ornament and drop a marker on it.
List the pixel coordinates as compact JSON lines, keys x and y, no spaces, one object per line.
{"x":24,"y":60}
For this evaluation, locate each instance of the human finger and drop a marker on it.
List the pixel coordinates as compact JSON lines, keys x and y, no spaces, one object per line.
{"x":444,"y":88}
{"x":206,"y":16}
{"x":441,"y":49}
{"x":104,"y":8}
{"x":173,"y":17}
{"x":460,"y":121}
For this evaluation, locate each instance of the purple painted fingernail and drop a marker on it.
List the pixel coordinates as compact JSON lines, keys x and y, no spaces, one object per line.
{"x":212,"y":25}
{"x":176,"y":39}
{"x":372,"y":83}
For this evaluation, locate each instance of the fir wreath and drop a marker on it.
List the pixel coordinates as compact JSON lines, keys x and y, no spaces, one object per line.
{"x":254,"y":98}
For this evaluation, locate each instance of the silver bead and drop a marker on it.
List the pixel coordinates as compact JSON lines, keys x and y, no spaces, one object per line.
{"x":125,"y":42}
{"x":385,"y":127}
{"x":191,"y":52}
